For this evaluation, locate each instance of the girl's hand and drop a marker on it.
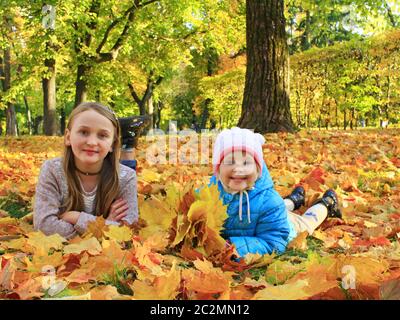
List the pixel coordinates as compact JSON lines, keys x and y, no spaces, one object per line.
{"x":118,"y":210}
{"x":70,"y":216}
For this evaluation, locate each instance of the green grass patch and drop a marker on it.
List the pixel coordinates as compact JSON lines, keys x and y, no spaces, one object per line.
{"x":15,"y":206}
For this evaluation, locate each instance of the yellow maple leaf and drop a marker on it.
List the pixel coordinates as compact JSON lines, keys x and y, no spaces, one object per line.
{"x":364,"y":270}
{"x":158,"y":214}
{"x":149,"y":176}
{"x":96,"y":228}
{"x":290,"y":291}
{"x":16,"y":244}
{"x":119,"y":233}
{"x":164,"y":287}
{"x":43,"y":243}
{"x":40,"y":261}
{"x":90,"y":245}
{"x":8,"y":220}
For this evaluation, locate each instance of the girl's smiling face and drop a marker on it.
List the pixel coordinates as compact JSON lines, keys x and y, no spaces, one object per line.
{"x":238,"y":171}
{"x":91,"y":138}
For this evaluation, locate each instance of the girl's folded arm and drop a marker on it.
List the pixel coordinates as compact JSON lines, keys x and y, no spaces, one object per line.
{"x":47,"y":206}
{"x":129,"y":194}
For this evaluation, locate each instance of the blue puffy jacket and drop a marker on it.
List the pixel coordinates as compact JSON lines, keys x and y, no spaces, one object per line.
{"x":264,"y":227}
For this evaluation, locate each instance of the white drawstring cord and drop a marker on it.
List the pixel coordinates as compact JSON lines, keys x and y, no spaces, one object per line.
{"x":241,"y":202}
{"x":248,"y":207}
{"x":240,"y":205}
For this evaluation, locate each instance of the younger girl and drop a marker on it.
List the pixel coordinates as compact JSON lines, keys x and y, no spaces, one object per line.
{"x":259,"y":220}
{"x":88,"y":181}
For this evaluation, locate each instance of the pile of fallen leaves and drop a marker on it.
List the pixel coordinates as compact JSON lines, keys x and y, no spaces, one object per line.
{"x":175,"y":251}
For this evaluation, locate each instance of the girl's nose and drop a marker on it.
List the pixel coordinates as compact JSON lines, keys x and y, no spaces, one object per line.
{"x":91,"y":140}
{"x":239,"y":169}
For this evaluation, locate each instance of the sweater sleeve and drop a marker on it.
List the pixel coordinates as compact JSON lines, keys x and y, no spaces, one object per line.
{"x":129,"y":193}
{"x":47,"y":204}
{"x":271,"y":233}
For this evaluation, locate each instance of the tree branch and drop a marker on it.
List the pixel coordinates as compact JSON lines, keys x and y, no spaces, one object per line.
{"x":133,"y":93}
{"x":112,"y":26}
{"x":113,"y":53}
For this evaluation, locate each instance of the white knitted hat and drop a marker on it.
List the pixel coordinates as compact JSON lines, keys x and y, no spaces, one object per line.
{"x":230,"y":140}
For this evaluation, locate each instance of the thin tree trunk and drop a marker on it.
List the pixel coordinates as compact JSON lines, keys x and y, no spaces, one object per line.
{"x":28,"y":116}
{"x":298,"y":115}
{"x":49,"y":99}
{"x":150,"y":105}
{"x":266,"y":106}
{"x":81,"y":85}
{"x":141,"y":102}
{"x":62,"y":121}
{"x":336,"y":115}
{"x":160,"y":106}
{"x":11,"y":119}
{"x":305,"y":37}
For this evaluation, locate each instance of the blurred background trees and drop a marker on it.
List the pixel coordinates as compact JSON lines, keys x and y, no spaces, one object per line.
{"x":185,"y":60}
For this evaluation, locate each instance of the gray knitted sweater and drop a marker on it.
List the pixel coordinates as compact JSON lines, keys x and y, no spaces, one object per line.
{"x":52,"y":191}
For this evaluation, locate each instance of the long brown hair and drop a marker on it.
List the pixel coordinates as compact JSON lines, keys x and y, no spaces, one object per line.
{"x":108,"y":188}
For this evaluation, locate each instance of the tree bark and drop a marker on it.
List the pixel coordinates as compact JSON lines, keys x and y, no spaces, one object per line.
{"x":49,"y":99}
{"x":28,"y":116}
{"x":141,"y":102}
{"x":11,"y":119}
{"x":80,"y":85}
{"x":62,"y":121}
{"x":266,"y":106}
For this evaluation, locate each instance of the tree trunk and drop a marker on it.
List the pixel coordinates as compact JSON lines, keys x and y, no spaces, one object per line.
{"x":352,"y":119}
{"x":319,"y":121}
{"x":49,"y":99}
{"x":11,"y":119}
{"x":205,"y":114}
{"x":298,"y":115}
{"x":28,"y":116}
{"x":266,"y":106}
{"x":62,"y":121}
{"x":305,"y":37}
{"x":81,"y":85}
{"x":160,"y":106}
{"x":150,"y":105}
{"x":336,"y":115}
{"x":36,"y":124}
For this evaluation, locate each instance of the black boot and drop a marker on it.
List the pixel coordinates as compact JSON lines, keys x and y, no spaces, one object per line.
{"x":331,"y":202}
{"x":298,"y":196}
{"x":131,"y":129}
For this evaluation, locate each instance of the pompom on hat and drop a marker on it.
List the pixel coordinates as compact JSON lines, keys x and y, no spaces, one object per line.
{"x":238,"y":139}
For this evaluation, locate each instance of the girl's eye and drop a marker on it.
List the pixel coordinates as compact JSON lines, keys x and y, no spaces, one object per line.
{"x":103,"y":136}
{"x":84,"y":132}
